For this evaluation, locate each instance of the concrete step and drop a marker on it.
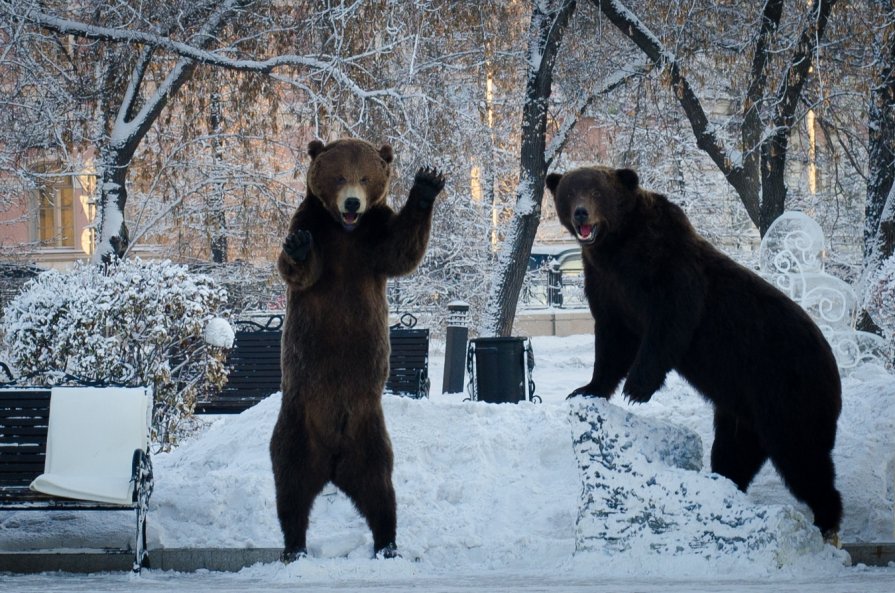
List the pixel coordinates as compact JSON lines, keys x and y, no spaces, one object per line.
{"x":235,"y":559}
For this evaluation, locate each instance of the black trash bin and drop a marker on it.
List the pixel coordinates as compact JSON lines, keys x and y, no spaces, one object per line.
{"x":500,"y":370}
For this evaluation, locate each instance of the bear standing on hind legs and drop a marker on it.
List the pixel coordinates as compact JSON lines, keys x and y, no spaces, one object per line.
{"x":663,"y":298}
{"x":343,"y":243}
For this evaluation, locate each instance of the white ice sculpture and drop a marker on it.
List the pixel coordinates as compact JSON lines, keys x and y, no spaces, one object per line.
{"x":791,"y":258}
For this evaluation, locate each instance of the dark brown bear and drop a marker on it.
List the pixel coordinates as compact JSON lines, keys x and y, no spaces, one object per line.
{"x":663,"y":298}
{"x":343,"y":243}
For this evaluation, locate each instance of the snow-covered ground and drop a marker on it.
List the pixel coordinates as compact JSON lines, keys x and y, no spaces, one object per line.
{"x":558,"y":496}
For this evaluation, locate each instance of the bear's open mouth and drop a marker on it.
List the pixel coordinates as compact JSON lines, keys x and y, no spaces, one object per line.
{"x":350,"y":220}
{"x":587,"y":233}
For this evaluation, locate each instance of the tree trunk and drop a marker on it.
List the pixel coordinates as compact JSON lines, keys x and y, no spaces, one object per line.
{"x":879,"y":211}
{"x":548,"y":23}
{"x":112,"y":237}
{"x":878,"y":244}
{"x":216,"y":219}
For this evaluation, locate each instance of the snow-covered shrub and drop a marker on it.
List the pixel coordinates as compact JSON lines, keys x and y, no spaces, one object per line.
{"x":132,"y":322}
{"x":880,"y":299}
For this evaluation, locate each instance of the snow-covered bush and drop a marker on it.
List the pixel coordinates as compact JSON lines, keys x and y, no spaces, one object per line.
{"x":131,"y":322}
{"x":880,"y":299}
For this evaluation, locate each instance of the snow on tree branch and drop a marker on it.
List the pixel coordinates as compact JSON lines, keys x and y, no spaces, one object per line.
{"x":610,"y":83}
{"x":638,"y":32}
{"x":330,"y":65}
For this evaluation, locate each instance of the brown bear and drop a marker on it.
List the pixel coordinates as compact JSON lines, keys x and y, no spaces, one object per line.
{"x":343,"y":243}
{"x":663,"y":298}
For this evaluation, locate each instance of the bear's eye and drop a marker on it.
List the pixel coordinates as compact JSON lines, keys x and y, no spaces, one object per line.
{"x":363,"y":179}
{"x":341,"y":181}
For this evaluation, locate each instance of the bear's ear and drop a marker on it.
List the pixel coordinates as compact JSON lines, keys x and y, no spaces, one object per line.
{"x":553,"y":182}
{"x":386,"y":153}
{"x":315,"y":147}
{"x":629,"y":178}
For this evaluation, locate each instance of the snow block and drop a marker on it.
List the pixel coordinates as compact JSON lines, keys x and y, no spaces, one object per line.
{"x":641,"y":496}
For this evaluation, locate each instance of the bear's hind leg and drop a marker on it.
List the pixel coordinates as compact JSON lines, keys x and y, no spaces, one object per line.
{"x":737,"y":453}
{"x":810,"y":475}
{"x":298,"y":479}
{"x":364,"y":474}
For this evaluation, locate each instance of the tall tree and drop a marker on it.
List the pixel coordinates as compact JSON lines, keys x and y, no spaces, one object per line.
{"x":548,"y":24}
{"x":143,"y":63}
{"x":879,"y":222}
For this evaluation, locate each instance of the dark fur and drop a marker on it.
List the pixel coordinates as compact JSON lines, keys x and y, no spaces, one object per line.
{"x":663,"y":298}
{"x":335,"y":340}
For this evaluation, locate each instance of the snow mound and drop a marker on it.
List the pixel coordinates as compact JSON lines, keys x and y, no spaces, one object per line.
{"x":476,"y":483}
{"x":483,"y":486}
{"x":576,"y":488}
{"x":641,"y":500}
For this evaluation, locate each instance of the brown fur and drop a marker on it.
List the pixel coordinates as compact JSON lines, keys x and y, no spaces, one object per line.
{"x":663,"y":298}
{"x":335,"y":339}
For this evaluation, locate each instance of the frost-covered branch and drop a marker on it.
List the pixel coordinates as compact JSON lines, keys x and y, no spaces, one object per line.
{"x":758,"y":177}
{"x":327,"y":64}
{"x":706,"y":137}
{"x":609,"y":84}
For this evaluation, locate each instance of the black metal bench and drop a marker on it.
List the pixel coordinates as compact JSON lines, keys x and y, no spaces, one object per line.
{"x":24,"y":421}
{"x":409,"y":361}
{"x":254,"y":365}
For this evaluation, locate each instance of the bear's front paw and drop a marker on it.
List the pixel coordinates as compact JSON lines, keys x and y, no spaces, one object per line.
{"x":427,"y":184}
{"x":639,"y":390}
{"x":297,"y":245}
{"x":587,"y":391}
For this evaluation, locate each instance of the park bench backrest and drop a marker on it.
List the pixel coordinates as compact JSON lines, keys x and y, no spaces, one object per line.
{"x":24,"y":418}
{"x":254,"y":364}
{"x":409,"y":362}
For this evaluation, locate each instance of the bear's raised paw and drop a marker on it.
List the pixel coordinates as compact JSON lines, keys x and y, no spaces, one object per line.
{"x":427,"y":184}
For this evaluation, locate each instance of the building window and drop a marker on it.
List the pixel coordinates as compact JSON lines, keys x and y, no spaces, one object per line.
{"x":56,"y":214}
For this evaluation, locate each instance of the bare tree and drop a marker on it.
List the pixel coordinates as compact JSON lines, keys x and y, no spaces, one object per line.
{"x":548,"y":23}
{"x":152,"y":53}
{"x":755,"y":168}
{"x":879,"y":225}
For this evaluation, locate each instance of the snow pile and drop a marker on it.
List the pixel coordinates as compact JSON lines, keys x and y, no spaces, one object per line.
{"x":641,"y":499}
{"x":219,"y":333}
{"x":481,"y":484}
{"x":582,"y":489}
{"x":485,"y":487}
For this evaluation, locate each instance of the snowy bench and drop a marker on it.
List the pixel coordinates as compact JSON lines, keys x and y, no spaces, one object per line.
{"x":77,"y":448}
{"x":254,"y":364}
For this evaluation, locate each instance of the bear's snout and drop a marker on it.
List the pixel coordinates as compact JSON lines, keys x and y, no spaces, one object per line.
{"x":586,"y":230}
{"x":580,"y":215}
{"x":351,"y":206}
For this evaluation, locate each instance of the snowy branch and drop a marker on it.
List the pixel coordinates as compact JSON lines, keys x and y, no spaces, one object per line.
{"x":610,"y":83}
{"x":706,"y":139}
{"x":329,"y":65}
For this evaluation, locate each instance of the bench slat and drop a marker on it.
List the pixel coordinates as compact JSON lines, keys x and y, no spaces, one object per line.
{"x":254,"y":365}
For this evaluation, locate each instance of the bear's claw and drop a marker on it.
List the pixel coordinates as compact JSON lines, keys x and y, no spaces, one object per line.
{"x":389,"y":551}
{"x":586,"y":391}
{"x":638,"y":391}
{"x":290,"y":556}
{"x":297,"y":245}
{"x":427,"y":184}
